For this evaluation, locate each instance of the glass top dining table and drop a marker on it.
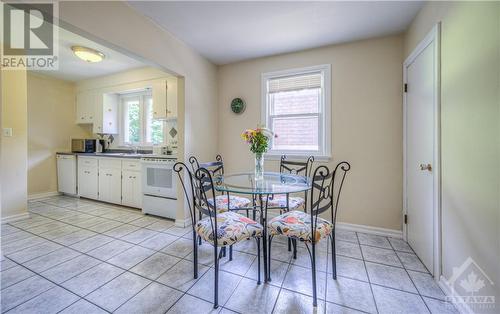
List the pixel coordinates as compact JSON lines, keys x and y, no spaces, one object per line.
{"x":271,"y":183}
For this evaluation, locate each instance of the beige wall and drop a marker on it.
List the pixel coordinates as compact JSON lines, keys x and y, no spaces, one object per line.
{"x":51,"y":124}
{"x":470,"y":100}
{"x":366,"y":121}
{"x":13,"y":150}
{"x":198,"y":109}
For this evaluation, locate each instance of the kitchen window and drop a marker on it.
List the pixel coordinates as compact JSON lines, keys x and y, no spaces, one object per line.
{"x":138,"y":126}
{"x":296,"y":107}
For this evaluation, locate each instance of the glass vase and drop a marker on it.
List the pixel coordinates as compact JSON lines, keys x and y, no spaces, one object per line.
{"x":259,"y":166}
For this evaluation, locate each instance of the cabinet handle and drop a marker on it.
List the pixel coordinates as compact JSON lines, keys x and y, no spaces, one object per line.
{"x":109,"y":110}
{"x":81,"y":118}
{"x":168,"y":111}
{"x":110,"y":123}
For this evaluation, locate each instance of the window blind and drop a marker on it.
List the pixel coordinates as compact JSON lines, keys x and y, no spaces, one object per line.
{"x":296,"y":82}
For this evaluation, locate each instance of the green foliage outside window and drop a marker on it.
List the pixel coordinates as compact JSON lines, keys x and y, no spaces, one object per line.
{"x":134,"y":123}
{"x":156,"y":132}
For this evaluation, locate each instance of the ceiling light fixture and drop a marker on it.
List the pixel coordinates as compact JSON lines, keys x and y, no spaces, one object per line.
{"x":88,"y":54}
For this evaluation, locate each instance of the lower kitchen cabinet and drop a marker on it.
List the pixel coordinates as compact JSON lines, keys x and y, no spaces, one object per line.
{"x":131,"y":188}
{"x":110,"y":181}
{"x":88,"y":181}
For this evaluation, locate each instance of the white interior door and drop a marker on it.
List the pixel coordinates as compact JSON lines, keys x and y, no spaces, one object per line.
{"x":420,"y":153}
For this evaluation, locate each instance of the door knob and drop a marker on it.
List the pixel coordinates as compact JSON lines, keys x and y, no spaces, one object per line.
{"x":425,"y":167}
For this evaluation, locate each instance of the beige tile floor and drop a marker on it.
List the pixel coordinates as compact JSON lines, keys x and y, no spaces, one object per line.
{"x":80,"y":256}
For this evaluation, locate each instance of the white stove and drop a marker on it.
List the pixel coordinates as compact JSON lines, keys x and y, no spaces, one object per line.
{"x":159,"y":185}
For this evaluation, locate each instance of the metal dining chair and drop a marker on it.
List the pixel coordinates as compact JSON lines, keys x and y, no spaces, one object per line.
{"x":224,"y":201}
{"x":219,"y":228}
{"x":285,"y":202}
{"x":309,"y":227}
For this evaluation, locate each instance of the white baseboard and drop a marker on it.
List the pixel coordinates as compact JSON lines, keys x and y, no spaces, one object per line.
{"x":461,"y":306}
{"x":15,"y":218}
{"x":370,"y":230}
{"x":42,"y":195}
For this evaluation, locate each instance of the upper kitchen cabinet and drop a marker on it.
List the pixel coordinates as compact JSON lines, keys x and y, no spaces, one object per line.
{"x":99,"y":109}
{"x":106,"y":119}
{"x":165,"y":98}
{"x":85,"y":107}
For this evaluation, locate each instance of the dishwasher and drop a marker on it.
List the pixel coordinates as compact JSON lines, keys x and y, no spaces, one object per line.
{"x":66,"y":174}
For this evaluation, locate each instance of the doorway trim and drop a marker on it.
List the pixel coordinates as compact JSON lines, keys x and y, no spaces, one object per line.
{"x":433,"y":36}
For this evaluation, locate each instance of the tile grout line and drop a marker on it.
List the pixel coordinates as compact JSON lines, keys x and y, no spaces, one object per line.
{"x":183,"y":236}
{"x":367,"y":275}
{"x":414,"y":285}
{"x":128,"y":270}
{"x":289,"y":266}
{"x":102,"y":261}
{"x":56,"y":284}
{"x":105,"y":261}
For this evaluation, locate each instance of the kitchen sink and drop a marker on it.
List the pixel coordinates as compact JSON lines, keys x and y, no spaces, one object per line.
{"x":120,"y":154}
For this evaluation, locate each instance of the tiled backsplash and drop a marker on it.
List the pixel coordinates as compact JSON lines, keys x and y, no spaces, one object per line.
{"x":172,"y":132}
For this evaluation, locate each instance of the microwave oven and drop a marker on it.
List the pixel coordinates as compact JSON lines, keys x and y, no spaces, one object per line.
{"x":82,"y":145}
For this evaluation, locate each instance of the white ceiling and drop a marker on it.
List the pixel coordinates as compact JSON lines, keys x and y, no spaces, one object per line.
{"x":72,"y":68}
{"x":226,"y":32}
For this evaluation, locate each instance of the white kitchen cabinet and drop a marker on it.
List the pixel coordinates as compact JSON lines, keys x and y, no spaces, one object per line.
{"x":110,"y":183}
{"x":172,"y":100}
{"x":131,"y":188}
{"x":85,"y":107}
{"x":88,"y":177}
{"x":98,"y":108}
{"x":66,"y":174}
{"x":165,"y":99}
{"x":106,"y":114}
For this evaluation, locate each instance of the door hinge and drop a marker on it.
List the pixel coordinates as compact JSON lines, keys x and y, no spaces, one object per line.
{"x":406,"y":88}
{"x":406,"y":219}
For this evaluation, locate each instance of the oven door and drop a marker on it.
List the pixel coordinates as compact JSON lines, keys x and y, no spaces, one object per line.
{"x":158,"y":180}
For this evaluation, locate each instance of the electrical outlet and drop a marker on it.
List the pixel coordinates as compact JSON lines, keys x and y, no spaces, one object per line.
{"x":7,"y":132}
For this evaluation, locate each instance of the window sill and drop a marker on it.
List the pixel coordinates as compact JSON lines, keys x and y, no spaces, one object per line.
{"x":271,"y":156}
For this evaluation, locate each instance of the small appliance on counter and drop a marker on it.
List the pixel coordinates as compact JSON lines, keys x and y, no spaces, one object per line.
{"x":100,"y":146}
{"x":162,"y":150}
{"x":85,"y":145}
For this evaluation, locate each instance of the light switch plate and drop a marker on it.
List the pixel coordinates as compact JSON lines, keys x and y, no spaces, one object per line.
{"x":7,"y":132}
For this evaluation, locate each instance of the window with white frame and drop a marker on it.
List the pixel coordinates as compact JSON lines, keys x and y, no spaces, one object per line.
{"x":296,"y":107}
{"x":138,"y":126}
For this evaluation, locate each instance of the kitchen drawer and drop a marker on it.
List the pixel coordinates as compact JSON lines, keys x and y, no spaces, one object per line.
{"x":110,"y":163}
{"x":133,"y":165}
{"x":87,"y":161}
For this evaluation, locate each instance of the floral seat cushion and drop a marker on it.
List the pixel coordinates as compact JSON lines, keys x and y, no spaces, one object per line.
{"x":297,"y":225}
{"x":280,"y":201}
{"x":231,"y":228}
{"x":235,"y":202}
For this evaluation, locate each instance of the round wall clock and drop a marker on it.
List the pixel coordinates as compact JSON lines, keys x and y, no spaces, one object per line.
{"x":238,"y":105}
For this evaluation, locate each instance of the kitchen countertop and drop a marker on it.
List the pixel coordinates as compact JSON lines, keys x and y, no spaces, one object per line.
{"x":117,"y":155}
